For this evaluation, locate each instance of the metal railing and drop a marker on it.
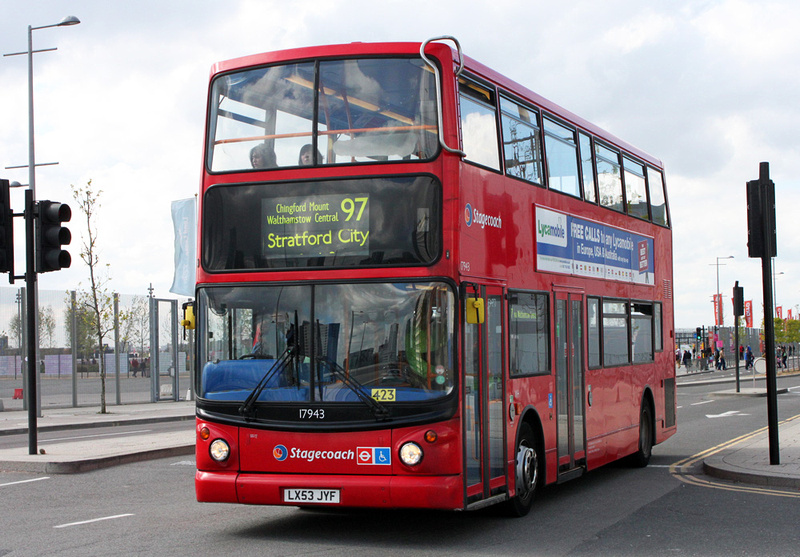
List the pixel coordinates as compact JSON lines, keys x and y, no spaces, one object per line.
{"x":69,"y":367}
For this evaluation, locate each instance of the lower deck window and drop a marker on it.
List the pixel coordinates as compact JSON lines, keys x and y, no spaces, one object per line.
{"x":623,"y":332}
{"x":529,"y":334}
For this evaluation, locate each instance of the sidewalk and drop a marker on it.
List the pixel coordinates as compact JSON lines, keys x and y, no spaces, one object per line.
{"x":747,"y":461}
{"x":73,"y":455}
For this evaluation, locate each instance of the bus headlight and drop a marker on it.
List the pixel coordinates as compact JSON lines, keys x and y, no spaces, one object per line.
{"x":411,"y":454}
{"x":219,"y":450}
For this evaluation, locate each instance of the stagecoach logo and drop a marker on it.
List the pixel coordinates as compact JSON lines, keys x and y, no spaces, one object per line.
{"x":280,"y":453}
{"x":475,"y":216}
{"x":362,"y":455}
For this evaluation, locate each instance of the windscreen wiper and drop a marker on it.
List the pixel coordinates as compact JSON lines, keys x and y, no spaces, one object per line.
{"x":279,"y":364}
{"x":378,"y":410}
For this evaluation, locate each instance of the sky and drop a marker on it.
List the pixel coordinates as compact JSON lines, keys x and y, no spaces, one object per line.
{"x":710,"y":87}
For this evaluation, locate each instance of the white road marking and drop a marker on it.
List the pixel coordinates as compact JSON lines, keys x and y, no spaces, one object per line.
{"x":93,"y":520}
{"x":26,"y":481}
{"x":702,"y":402}
{"x":727,"y":414}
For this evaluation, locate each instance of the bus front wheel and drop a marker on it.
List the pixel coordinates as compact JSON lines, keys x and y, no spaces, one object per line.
{"x":526,"y":472}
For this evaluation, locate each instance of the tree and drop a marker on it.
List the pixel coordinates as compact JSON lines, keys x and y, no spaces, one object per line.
{"x":47,"y":326}
{"x":98,"y":302}
{"x":135,"y":324}
{"x":84,"y":342}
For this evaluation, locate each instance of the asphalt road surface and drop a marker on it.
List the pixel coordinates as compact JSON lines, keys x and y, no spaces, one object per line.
{"x":149,"y":508}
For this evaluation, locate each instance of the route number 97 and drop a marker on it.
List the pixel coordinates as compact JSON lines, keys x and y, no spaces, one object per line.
{"x":352,"y":205}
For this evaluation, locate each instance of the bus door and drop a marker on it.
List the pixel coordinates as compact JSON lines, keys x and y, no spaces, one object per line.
{"x":570,"y":365}
{"x":484,"y":360}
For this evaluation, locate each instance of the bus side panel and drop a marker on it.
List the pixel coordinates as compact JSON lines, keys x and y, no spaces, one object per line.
{"x":612,"y":423}
{"x":536,"y":392}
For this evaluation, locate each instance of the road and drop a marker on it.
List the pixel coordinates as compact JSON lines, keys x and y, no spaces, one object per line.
{"x":149,"y":508}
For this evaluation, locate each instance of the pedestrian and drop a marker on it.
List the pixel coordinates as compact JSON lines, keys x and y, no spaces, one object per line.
{"x":678,"y":357}
{"x":687,"y":360}
{"x":741,"y":352}
{"x":722,"y":360}
{"x":778,"y":359}
{"x":716,"y":358}
{"x":783,"y":356}
{"x":748,"y":358}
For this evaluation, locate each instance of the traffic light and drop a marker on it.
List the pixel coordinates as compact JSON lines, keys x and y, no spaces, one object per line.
{"x":699,"y":333}
{"x":50,"y":236}
{"x":738,"y":300}
{"x":6,"y":230}
{"x":762,"y":237}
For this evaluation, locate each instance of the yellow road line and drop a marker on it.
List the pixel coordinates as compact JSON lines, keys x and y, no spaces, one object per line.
{"x":680,"y":469}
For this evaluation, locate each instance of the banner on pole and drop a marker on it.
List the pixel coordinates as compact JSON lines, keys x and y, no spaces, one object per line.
{"x":748,"y":313}
{"x":184,"y":221}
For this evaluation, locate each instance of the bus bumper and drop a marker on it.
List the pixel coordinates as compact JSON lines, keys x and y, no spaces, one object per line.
{"x":429,"y":492}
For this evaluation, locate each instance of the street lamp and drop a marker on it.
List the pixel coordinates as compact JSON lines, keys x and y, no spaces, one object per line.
{"x":67,"y":21}
{"x":775,"y":291}
{"x":719,"y":298}
{"x":30,"y":274}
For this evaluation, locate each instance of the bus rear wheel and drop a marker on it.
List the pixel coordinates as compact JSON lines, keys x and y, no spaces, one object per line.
{"x":641,"y":458}
{"x":526,"y":472}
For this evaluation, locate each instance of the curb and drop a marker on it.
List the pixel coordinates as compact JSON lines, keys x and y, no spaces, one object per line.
{"x":79,"y":466}
{"x":94,"y":424}
{"x":717,"y":467}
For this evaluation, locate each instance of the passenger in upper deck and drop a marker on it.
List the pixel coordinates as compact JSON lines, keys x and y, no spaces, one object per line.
{"x":307,"y":155}
{"x":261,"y":156}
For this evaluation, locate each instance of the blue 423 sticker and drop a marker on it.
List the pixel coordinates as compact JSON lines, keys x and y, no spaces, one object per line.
{"x":374,"y":455}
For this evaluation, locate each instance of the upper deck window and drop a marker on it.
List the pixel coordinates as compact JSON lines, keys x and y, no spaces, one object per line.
{"x":562,"y":158}
{"x":478,"y":124}
{"x":521,"y":141}
{"x":609,"y":181}
{"x":327,"y":112}
{"x":588,"y":168}
{"x":635,"y":192}
{"x":658,"y":200}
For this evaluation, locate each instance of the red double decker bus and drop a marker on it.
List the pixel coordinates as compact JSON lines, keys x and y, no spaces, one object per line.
{"x":421,"y":284}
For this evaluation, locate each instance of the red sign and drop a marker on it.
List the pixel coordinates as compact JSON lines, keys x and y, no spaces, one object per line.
{"x":718,"y":310}
{"x":779,"y":311}
{"x":748,"y":313}
{"x":644,"y":257}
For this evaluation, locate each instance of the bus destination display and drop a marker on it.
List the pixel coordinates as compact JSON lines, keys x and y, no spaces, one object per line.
{"x":318,"y":225}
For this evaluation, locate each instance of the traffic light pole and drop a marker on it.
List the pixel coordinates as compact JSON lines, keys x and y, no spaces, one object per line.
{"x":738,"y":311}
{"x":762,"y":242}
{"x":30,"y":292}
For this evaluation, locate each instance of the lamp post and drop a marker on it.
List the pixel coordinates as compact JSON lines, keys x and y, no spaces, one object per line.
{"x":719,"y":298}
{"x":30,"y":273}
{"x":775,"y":289}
